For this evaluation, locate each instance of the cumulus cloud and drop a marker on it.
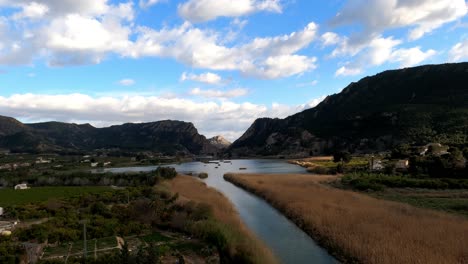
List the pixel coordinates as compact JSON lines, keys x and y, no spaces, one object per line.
{"x":330,"y":38}
{"x":207,"y":77}
{"x":268,"y":58}
{"x":422,"y":16}
{"x":86,"y":32}
{"x":383,"y":50}
{"x":205,"y":10}
{"x":211,"y":117}
{"x":220,"y":94}
{"x":127,"y":82}
{"x":149,"y":3}
{"x":64,"y":31}
{"x":459,"y":52}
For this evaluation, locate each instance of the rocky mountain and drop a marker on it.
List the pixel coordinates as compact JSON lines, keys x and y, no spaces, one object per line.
{"x":219,"y":142}
{"x":414,"y":105}
{"x":167,"y":137}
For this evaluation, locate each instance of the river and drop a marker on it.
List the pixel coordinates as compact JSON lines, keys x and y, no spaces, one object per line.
{"x":289,"y":243}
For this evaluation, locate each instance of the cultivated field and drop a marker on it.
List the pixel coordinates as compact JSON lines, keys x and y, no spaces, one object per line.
{"x":10,"y":196}
{"x":239,"y":238}
{"x":360,"y":228}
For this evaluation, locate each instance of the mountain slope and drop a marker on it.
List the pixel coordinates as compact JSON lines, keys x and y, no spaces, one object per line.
{"x":414,"y":105}
{"x":167,"y":137}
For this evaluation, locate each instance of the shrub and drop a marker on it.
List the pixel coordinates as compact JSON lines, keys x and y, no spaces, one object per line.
{"x":203,"y":175}
{"x":166,"y":172}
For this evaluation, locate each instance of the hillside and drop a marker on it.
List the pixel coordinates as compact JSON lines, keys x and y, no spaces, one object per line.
{"x":414,"y":105}
{"x":167,"y":137}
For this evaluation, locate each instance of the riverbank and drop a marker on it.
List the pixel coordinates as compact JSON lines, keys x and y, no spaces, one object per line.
{"x":240,"y":242}
{"x":358,"y":228}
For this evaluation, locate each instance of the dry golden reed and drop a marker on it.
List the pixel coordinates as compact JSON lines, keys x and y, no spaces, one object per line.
{"x":190,"y":188}
{"x":359,"y":228}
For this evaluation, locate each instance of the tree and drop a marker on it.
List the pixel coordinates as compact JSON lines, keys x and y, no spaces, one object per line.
{"x":342,"y":156}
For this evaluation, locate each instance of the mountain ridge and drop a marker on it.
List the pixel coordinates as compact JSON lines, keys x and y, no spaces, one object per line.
{"x":411,"y":105}
{"x":167,"y":137}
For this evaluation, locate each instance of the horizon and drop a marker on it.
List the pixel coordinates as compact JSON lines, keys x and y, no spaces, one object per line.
{"x":218,"y":64}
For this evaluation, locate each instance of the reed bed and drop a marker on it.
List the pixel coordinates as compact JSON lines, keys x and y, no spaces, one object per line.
{"x":240,"y":240}
{"x":358,"y":228}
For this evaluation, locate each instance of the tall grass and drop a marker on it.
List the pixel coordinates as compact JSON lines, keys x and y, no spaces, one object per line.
{"x":237,"y":243}
{"x":359,"y":228}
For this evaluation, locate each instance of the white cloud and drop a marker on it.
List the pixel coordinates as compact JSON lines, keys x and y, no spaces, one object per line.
{"x":383,"y":50}
{"x":330,"y":38}
{"x":348,"y":71}
{"x":149,"y":3}
{"x":268,"y":58}
{"x":219,"y":93}
{"x":64,"y":31}
{"x":32,"y":10}
{"x":127,"y":82}
{"x":208,"y":77}
{"x":459,"y":52}
{"x":421,"y":16}
{"x":68,"y":32}
{"x":211,"y":118}
{"x":205,"y":10}
{"x":411,"y":57}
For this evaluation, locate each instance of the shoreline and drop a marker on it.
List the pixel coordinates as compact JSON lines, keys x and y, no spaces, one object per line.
{"x":243,"y":241}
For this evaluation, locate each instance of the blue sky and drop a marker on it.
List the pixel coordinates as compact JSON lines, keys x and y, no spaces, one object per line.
{"x":217,"y":63}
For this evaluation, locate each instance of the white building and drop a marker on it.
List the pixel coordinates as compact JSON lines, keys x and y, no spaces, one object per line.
{"x":1,"y":210}
{"x":21,"y":186}
{"x":402,"y":164}
{"x":375,"y":165}
{"x":40,"y":160}
{"x":94,"y":164}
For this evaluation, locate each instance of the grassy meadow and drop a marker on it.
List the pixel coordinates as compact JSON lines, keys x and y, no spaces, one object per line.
{"x":359,"y":228}
{"x":239,"y":242}
{"x":10,"y":197}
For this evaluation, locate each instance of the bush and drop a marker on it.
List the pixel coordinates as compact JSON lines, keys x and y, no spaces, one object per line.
{"x":318,"y":170}
{"x":166,"y":172}
{"x":203,"y":175}
{"x":364,"y":181}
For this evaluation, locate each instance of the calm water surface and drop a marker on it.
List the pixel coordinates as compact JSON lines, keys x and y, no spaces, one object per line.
{"x":289,"y":243}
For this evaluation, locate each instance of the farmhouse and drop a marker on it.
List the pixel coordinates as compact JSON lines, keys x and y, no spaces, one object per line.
{"x":21,"y":186}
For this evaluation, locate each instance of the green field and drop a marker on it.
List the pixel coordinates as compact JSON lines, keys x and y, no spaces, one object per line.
{"x":10,"y":196}
{"x":448,"y":201}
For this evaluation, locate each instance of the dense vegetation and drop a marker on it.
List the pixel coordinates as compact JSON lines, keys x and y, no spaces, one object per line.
{"x":416,"y":106}
{"x":135,"y":211}
{"x":167,"y":137}
{"x":84,"y":178}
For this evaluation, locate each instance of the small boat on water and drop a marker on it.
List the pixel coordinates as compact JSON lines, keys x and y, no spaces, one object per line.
{"x":242,"y":168}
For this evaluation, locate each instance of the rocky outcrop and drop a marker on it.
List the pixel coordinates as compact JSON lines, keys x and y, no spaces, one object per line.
{"x":219,"y":142}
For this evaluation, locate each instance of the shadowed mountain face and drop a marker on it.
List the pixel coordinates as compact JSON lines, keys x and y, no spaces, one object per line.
{"x":414,"y":105}
{"x":168,"y":137}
